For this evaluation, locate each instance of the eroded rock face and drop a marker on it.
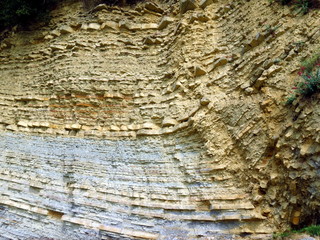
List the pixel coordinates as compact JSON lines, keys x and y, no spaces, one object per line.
{"x":191,"y":137}
{"x":149,"y":187}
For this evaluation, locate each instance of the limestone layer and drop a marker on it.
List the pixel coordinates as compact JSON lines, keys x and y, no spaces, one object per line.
{"x":158,"y":121}
{"x":70,"y":188}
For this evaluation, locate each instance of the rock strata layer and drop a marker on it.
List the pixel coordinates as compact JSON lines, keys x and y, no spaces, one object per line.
{"x":162,"y":120}
{"x":147,"y":188}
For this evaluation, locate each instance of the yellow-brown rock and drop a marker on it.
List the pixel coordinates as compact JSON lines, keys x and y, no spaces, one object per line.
{"x":158,"y":121}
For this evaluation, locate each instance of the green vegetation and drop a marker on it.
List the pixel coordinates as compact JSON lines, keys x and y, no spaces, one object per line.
{"x":313,"y":230}
{"x":301,"y":6}
{"x":281,"y":235}
{"x":22,"y":12}
{"x":309,"y":83}
{"x":14,"y":12}
{"x":290,"y":99}
{"x":311,"y":62}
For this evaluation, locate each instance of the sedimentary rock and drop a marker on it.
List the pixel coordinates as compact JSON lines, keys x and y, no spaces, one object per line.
{"x":142,"y":123}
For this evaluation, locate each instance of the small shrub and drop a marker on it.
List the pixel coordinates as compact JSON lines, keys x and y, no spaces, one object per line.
{"x":309,"y":83}
{"x":14,"y":12}
{"x":301,"y":6}
{"x":22,"y":12}
{"x":309,"y":63}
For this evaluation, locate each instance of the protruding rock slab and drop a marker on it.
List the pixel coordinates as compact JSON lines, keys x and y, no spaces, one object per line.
{"x":186,"y":5}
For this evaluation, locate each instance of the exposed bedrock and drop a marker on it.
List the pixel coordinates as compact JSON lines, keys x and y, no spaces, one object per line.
{"x":163,"y":120}
{"x":149,"y":187}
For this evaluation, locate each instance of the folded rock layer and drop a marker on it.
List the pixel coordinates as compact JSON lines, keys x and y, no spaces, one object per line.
{"x":163,"y":120}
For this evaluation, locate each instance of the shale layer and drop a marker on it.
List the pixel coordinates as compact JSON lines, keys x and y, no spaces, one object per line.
{"x":163,"y":120}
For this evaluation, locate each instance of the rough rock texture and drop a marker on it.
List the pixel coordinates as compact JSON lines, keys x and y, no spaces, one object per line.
{"x":190,"y":136}
{"x":149,"y":187}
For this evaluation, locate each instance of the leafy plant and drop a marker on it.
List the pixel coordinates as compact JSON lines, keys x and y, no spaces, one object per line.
{"x":301,"y":6}
{"x":309,"y":63}
{"x":290,"y":99}
{"x":309,"y":83}
{"x":22,"y":12}
{"x":14,"y":12}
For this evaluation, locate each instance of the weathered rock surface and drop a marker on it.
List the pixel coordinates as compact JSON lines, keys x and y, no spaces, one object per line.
{"x":144,"y":123}
{"x":140,"y":187}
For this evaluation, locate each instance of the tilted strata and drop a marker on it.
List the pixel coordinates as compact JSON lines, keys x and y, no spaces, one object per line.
{"x":158,"y":121}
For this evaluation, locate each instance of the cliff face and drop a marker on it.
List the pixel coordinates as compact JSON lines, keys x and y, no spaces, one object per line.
{"x":159,"y":121}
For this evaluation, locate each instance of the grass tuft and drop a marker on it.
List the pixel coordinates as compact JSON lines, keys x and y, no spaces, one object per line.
{"x":313,"y":230}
